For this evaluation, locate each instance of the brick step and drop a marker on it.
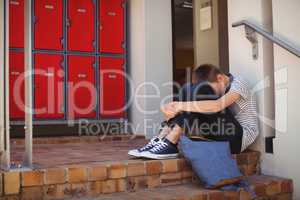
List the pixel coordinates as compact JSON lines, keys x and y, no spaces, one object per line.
{"x":91,"y":150}
{"x":78,"y":139}
{"x":109,"y":177}
{"x":86,"y":165}
{"x":266,"y":187}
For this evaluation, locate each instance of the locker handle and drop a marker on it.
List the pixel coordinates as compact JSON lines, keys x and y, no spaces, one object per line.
{"x":68,"y":23}
{"x":15,"y":3}
{"x":112,"y":76}
{"x":16,"y":73}
{"x":81,"y":75}
{"x":112,"y":14}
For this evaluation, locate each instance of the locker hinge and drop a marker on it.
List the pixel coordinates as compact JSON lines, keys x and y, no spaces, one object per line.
{"x":34,"y":19}
{"x":97,"y":99}
{"x":68,"y":22}
{"x":62,"y":109}
{"x":123,"y":45}
{"x":62,"y":41}
{"x":62,"y":64}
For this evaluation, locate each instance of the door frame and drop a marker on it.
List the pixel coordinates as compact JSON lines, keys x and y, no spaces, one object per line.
{"x":223,"y":35}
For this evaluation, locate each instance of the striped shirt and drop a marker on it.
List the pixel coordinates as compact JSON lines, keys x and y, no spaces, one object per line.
{"x":245,"y":111}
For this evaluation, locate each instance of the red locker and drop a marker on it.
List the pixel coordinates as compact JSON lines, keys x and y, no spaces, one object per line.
{"x":48,"y":86}
{"x":81,"y":25}
{"x":48,"y":24}
{"x":16,"y":23}
{"x":112,"y":92}
{"x":16,"y":85}
{"x":81,"y":87}
{"x":111,"y":26}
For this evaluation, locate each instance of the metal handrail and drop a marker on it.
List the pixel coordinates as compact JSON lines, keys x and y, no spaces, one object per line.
{"x":290,"y":48}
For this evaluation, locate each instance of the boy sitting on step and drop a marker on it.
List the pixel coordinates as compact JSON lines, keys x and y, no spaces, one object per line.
{"x":232,"y":116}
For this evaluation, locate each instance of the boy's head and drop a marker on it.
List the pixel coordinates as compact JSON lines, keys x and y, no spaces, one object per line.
{"x":213,"y":75}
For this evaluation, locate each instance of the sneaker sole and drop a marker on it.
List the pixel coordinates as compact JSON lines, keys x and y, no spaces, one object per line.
{"x":135,"y":154}
{"x":159,"y":157}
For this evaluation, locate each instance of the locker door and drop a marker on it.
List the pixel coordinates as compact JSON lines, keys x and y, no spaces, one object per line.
{"x":81,"y":87}
{"x":112,"y":92}
{"x":81,"y":25}
{"x":16,"y":23}
{"x":16,"y":85}
{"x":48,"y":24}
{"x":48,"y":86}
{"x":111,"y":27}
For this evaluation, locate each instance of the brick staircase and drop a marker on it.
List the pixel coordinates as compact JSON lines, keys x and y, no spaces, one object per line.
{"x":135,"y":180}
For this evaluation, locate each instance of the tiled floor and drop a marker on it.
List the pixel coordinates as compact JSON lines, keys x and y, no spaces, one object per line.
{"x":65,"y":154}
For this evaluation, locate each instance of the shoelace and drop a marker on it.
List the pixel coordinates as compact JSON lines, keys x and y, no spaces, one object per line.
{"x":150,"y":144}
{"x":159,"y":146}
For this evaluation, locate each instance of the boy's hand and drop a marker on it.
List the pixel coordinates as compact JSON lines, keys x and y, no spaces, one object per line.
{"x":170,"y":110}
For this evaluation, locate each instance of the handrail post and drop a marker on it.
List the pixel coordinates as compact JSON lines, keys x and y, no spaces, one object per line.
{"x":252,"y":37}
{"x":4,"y":88}
{"x":28,"y":83}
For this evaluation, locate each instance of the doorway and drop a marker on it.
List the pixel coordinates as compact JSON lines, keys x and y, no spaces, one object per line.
{"x":183,"y":41}
{"x":200,"y":35}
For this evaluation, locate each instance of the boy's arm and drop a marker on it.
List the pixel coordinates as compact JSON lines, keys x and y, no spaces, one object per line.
{"x":210,"y":106}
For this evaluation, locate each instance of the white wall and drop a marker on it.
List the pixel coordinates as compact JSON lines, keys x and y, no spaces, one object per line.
{"x":241,"y":61}
{"x":137,"y":57}
{"x":206,"y":42}
{"x":285,"y":161}
{"x":150,"y":63}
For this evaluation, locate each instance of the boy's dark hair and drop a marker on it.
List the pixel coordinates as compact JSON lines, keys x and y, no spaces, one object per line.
{"x":207,"y":72}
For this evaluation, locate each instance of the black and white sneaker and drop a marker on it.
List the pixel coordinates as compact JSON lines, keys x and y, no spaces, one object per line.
{"x":162,"y":150}
{"x":137,"y":152}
